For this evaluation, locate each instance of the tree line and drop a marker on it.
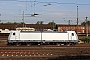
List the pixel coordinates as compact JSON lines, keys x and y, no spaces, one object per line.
{"x":41,"y":22}
{"x":12,"y":23}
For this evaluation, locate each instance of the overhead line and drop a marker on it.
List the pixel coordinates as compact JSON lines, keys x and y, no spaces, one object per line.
{"x":8,"y":0}
{"x":54,"y":2}
{"x":45,"y":2}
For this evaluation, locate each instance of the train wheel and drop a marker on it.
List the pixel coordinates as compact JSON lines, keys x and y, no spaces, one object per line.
{"x":39,"y":44}
{"x":58,"y":44}
{"x":9,"y":44}
{"x":67,"y":44}
{"x":18,"y":44}
{"x":28,"y":44}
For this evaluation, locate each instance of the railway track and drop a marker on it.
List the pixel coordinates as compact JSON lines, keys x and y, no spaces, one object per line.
{"x":29,"y":48}
{"x":41,"y":53}
{"x":44,"y":52}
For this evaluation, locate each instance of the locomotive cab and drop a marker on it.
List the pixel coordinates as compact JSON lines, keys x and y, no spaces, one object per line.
{"x":13,"y":37}
{"x":73,"y":38}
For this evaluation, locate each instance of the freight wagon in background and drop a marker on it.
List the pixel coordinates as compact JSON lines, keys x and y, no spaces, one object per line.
{"x":42,"y":37}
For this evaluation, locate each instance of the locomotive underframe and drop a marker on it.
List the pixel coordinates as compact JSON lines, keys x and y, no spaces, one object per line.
{"x":43,"y":42}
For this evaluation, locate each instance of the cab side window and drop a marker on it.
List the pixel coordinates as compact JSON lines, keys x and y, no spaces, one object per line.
{"x":72,"y":34}
{"x":13,"y":33}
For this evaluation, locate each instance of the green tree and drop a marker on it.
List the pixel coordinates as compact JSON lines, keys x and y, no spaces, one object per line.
{"x":54,"y":24}
{"x":1,"y":23}
{"x":8,"y":23}
{"x":39,"y":22}
{"x":84,"y":23}
{"x":85,"y":40}
{"x":16,"y":23}
{"x":22,"y":23}
{"x":11,"y":23}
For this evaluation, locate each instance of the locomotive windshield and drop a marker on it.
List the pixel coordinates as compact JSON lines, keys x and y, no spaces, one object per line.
{"x":72,"y":34}
{"x":13,"y":33}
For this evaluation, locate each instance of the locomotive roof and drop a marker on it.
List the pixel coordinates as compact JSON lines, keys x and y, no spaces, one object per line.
{"x":43,"y":31}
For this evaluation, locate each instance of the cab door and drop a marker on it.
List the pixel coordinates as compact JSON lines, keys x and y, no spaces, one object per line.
{"x":69,"y":36}
{"x":73,"y":36}
{"x":17,"y":35}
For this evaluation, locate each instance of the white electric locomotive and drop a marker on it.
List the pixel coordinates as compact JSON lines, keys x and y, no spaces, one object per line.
{"x":43,"y":37}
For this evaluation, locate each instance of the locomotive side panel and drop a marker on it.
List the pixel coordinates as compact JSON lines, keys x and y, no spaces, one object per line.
{"x":54,"y":36}
{"x":30,"y":36}
{"x":60,"y":37}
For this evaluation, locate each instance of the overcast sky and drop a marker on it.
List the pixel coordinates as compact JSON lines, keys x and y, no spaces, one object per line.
{"x":59,"y":11}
